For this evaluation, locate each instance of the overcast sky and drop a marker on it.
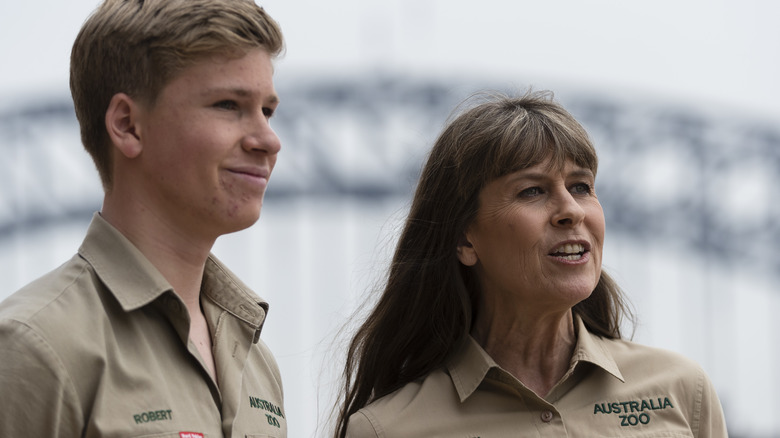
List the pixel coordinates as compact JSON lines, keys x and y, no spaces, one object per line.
{"x":717,"y":53}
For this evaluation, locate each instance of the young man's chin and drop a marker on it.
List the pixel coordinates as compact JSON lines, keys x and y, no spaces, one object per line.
{"x":241,"y":222}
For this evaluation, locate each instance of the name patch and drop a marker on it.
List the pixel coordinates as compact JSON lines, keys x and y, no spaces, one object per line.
{"x":148,"y":417}
{"x":634,"y":412}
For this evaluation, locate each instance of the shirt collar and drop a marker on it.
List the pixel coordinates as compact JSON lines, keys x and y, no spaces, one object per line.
{"x":124,"y":270}
{"x":471,"y":364}
{"x":231,"y":294}
{"x":469,"y":367}
{"x":135,"y":282}
{"x":592,"y":348}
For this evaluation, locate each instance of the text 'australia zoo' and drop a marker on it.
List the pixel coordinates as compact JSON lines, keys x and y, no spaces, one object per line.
{"x":633,"y":412}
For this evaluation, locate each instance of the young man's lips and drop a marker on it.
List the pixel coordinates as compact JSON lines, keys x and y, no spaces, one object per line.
{"x":256,"y":172}
{"x":252,"y":175}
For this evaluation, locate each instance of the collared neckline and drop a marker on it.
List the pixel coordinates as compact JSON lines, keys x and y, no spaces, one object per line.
{"x":592,"y":348}
{"x":469,"y":367}
{"x":471,"y":364}
{"x":127,"y":273}
{"x":135,"y":282}
{"x":225,"y":289}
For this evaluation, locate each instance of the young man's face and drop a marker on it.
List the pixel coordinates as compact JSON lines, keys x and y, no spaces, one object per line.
{"x":208,"y":148}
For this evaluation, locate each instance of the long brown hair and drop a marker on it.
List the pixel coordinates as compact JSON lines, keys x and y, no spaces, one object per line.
{"x":429,"y":300}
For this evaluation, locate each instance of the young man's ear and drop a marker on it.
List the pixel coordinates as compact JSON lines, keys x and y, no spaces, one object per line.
{"x":122,"y":125}
{"x":466,"y":252}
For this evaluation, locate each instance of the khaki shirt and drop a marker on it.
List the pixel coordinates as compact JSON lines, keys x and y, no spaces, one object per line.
{"x":612,"y":389}
{"x":100,"y":348}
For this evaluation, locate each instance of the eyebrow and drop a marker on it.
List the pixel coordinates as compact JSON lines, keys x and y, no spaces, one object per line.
{"x":582,"y":172}
{"x":271,"y":100}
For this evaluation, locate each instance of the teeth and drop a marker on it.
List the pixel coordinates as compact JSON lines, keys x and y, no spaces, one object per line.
{"x":573,"y":250}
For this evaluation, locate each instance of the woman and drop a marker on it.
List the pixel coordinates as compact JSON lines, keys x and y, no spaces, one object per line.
{"x":497,"y":320}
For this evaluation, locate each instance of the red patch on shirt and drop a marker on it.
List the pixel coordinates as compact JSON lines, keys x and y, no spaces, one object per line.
{"x":190,"y":435}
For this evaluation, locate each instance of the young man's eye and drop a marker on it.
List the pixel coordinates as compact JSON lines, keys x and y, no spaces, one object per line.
{"x":268,"y":112}
{"x":226,"y":105}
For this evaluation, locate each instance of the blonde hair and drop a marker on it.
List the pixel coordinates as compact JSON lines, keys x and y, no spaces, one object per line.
{"x":137,"y":46}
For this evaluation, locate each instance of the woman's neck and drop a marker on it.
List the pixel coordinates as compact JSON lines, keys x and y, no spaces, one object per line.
{"x":537,"y":351}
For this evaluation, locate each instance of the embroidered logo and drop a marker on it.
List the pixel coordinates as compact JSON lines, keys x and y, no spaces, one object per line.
{"x":190,"y":435}
{"x":634,"y":412}
{"x":275,"y":411}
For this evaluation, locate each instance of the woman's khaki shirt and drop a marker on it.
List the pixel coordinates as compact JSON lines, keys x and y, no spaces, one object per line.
{"x":613,"y":388}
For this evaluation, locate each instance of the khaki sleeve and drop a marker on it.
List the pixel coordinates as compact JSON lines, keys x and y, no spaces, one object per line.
{"x":360,"y":426}
{"x":38,"y":397}
{"x":709,"y":421}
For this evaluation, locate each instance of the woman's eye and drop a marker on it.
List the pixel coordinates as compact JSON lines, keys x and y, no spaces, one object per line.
{"x":582,"y":188}
{"x":530,"y":192}
{"x":268,"y":112}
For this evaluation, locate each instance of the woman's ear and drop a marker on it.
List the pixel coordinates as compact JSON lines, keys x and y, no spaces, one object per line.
{"x":466,"y":252}
{"x":122,"y":117}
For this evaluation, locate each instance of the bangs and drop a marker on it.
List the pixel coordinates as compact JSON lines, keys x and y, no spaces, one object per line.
{"x":527,"y":138}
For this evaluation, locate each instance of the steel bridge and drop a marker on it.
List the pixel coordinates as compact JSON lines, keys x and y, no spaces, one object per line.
{"x":701,"y":177}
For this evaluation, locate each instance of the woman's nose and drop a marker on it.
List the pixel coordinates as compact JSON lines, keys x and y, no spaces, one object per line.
{"x":567,"y":211}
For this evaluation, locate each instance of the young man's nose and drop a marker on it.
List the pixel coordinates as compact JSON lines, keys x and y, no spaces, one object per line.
{"x":261,"y":137}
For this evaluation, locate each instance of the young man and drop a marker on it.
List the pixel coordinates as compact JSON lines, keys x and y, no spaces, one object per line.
{"x":143,"y":332}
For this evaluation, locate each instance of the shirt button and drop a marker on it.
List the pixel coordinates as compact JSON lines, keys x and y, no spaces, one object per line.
{"x":547,"y":416}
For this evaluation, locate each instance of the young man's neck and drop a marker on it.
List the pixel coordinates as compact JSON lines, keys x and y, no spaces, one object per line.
{"x":179,"y":257}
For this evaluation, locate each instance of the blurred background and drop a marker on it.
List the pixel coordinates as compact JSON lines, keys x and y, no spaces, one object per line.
{"x":680,"y":97}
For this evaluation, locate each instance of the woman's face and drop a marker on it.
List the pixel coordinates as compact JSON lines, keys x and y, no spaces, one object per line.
{"x":537,"y":238}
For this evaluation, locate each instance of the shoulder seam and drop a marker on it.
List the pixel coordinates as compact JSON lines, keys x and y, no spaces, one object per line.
{"x":700,"y":381}
{"x":372,"y":420}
